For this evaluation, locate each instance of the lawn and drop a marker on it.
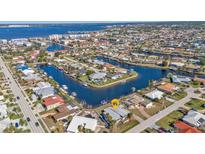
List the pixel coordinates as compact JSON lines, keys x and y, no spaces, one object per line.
{"x":157,"y":107}
{"x":149,"y":130}
{"x":137,"y":112}
{"x":167,"y":121}
{"x":195,"y":84}
{"x":179,"y":95}
{"x":127,"y":126}
{"x":195,"y":104}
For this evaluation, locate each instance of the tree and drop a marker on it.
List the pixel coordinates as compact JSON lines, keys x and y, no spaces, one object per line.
{"x":202,"y":61}
{"x":170,"y":75}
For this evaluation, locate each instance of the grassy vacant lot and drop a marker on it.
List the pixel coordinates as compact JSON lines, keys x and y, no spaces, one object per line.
{"x":167,"y":121}
{"x":137,"y":112}
{"x":127,"y":126}
{"x":196,"y":104}
{"x":179,"y":95}
{"x":157,"y":107}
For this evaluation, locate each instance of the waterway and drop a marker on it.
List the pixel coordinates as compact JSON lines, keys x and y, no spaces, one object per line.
{"x":93,"y":96}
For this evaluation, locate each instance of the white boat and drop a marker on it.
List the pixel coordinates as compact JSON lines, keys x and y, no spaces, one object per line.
{"x":85,"y":84}
{"x":74,"y":94}
{"x":65,"y":87}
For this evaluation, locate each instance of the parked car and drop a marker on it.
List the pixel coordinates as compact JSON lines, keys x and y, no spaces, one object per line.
{"x":28,"y":119}
{"x":37,"y":124}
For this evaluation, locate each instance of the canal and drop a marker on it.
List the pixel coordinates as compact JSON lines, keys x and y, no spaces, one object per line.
{"x":94,"y":96}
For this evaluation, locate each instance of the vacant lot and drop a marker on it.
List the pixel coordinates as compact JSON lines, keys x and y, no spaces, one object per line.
{"x":179,"y":95}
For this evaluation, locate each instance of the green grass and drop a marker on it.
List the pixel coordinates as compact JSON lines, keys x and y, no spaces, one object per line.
{"x":179,"y":95}
{"x":127,"y":126}
{"x":195,"y":84}
{"x":157,"y":107}
{"x":167,"y":121}
{"x":196,"y":104}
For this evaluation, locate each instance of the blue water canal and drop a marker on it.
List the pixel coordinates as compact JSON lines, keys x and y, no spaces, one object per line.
{"x":93,"y":96}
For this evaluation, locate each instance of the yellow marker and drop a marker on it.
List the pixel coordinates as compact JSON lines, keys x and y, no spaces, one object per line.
{"x":115,"y":103}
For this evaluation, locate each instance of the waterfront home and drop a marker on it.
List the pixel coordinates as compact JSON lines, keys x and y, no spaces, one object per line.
{"x":155,"y":94}
{"x":99,"y":76}
{"x":177,"y":64}
{"x":180,"y":79}
{"x":136,"y":100}
{"x":84,"y":122}
{"x":181,"y":127}
{"x":194,"y":118}
{"x":202,"y":81}
{"x":44,"y":89}
{"x":167,"y":88}
{"x":117,"y":114}
{"x":31,"y":77}
{"x":52,"y":102}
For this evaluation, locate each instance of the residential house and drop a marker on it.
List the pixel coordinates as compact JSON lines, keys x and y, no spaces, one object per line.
{"x":182,"y":127}
{"x":167,"y":88}
{"x":52,"y":102}
{"x":97,"y":76}
{"x":194,"y":118}
{"x":44,"y":90}
{"x":180,"y":79}
{"x":117,"y":114}
{"x":62,"y":113}
{"x":201,"y":80}
{"x":155,"y":94}
{"x":77,"y":121}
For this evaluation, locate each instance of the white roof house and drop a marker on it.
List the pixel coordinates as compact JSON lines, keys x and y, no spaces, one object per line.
{"x":3,"y":111}
{"x":194,"y":118}
{"x":116,"y":114}
{"x":179,"y":79}
{"x":97,"y":76}
{"x":155,"y":94}
{"x":44,"y":90}
{"x":77,"y":121}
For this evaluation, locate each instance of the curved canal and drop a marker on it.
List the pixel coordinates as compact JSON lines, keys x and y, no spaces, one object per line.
{"x":94,"y":96}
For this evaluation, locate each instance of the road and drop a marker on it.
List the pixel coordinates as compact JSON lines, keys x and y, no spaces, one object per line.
{"x":22,"y":102}
{"x":152,"y":120}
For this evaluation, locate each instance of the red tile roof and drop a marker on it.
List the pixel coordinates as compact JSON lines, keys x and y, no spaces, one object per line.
{"x":53,"y":100}
{"x":184,"y":128}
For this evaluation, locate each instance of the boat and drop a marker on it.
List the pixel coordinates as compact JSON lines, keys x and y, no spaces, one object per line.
{"x":74,"y":94}
{"x":85,"y":84}
{"x":65,"y":87}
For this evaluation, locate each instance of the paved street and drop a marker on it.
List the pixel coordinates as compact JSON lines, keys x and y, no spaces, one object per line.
{"x":23,"y":103}
{"x":151,"y":121}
